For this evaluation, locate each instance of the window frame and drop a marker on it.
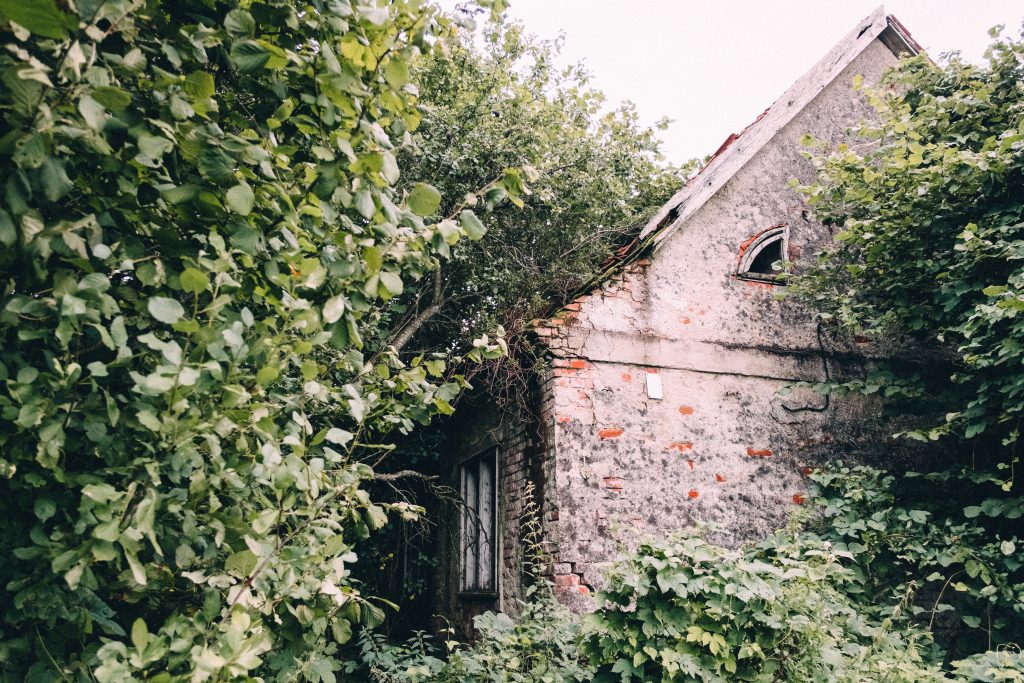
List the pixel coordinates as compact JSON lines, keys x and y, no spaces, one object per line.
{"x":776,"y":233}
{"x":471,"y":552}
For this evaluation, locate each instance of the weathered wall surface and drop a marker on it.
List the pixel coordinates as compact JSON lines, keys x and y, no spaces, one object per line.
{"x":721,"y":447}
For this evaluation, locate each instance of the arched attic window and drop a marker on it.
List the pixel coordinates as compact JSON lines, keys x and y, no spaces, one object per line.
{"x":761,"y":253}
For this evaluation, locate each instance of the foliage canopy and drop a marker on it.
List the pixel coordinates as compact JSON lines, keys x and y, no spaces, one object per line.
{"x":931,"y":218}
{"x":200,"y":220}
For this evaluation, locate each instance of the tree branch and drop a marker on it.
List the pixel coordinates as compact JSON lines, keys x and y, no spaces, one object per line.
{"x":410,"y":330}
{"x":402,"y":474}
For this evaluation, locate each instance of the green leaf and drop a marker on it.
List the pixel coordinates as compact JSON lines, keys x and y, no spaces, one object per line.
{"x":248,"y":56}
{"x":971,"y":621}
{"x":40,"y":17}
{"x":333,"y":309}
{"x":140,"y":635}
{"x":154,"y":146}
{"x":194,"y":280}
{"x":241,"y":563}
{"x":389,"y":167}
{"x":396,"y":73}
{"x":392,"y":282}
{"x":472,"y":225}
{"x":374,"y":259}
{"x":44,"y":507}
{"x":199,"y":85}
{"x":114,"y":99}
{"x":54,"y":180}
{"x":8,"y":231}
{"x":267,"y":375}
{"x":166,"y":310}
{"x":239,"y":23}
{"x":216,"y":165}
{"x":338,"y":436}
{"x":365,"y":205}
{"x":240,"y":198}
{"x":424,"y":199}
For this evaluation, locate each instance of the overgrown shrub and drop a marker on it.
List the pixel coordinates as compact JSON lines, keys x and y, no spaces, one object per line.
{"x":946,"y":547}
{"x":855,"y":596}
{"x":198,"y":227}
{"x":538,"y":644}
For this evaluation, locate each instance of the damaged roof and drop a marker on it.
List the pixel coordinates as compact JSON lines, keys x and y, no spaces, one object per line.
{"x":739,"y":148}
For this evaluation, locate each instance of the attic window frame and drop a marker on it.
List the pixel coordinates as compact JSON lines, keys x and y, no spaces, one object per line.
{"x":777,"y":233}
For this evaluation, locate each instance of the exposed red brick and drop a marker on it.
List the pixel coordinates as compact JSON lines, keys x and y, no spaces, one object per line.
{"x":610,"y":432}
{"x":756,"y":284}
{"x":612,"y":483}
{"x":719,"y":477}
{"x":653,"y":371}
{"x":685,"y":410}
{"x":690,"y":463}
{"x":681,"y":446}
{"x":572,"y":307}
{"x":685,"y":321}
{"x":626,"y":377}
{"x":578,"y":364}
{"x":759,"y":452}
{"x":563,"y":419}
{"x":694,"y":494}
{"x":566,"y":580}
{"x":565,"y":372}
{"x":798,"y":499}
{"x":582,"y":590}
{"x":808,"y":470}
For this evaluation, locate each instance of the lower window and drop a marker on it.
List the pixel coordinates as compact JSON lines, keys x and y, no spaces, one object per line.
{"x":478,"y":482}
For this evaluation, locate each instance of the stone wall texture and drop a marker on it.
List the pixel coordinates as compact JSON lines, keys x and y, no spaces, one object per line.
{"x":661,"y":410}
{"x":721,"y":449}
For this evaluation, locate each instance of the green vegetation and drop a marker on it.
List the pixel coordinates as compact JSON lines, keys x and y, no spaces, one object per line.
{"x":931,"y":219}
{"x":496,"y":99}
{"x":223,"y":224}
{"x":199,"y":225}
{"x":880,"y":581}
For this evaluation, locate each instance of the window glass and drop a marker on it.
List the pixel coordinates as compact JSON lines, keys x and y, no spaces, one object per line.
{"x":478,"y":481}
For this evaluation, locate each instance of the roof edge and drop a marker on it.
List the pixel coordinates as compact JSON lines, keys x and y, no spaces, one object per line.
{"x":727,"y":162}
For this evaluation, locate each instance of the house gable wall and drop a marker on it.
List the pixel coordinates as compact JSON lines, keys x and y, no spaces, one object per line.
{"x":721,"y":447}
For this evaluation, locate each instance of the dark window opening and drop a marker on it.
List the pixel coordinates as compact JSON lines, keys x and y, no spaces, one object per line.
{"x":478,"y":487}
{"x":762,"y":253}
{"x":769,"y":254}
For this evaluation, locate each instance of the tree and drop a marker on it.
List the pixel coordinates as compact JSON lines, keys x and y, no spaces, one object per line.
{"x":932,"y":221}
{"x":199,"y":225}
{"x":494,"y":99}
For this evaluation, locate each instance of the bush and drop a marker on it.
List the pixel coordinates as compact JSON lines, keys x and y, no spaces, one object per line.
{"x":198,"y":227}
{"x":539,"y":644}
{"x":859,"y":594}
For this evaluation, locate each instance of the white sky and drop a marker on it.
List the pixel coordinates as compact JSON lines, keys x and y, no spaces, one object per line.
{"x":713,"y":65}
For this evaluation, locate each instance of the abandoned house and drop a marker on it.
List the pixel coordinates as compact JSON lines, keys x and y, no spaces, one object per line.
{"x":661,"y":408}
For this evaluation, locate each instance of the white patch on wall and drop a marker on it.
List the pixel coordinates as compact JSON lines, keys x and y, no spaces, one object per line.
{"x":654,"y":386}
